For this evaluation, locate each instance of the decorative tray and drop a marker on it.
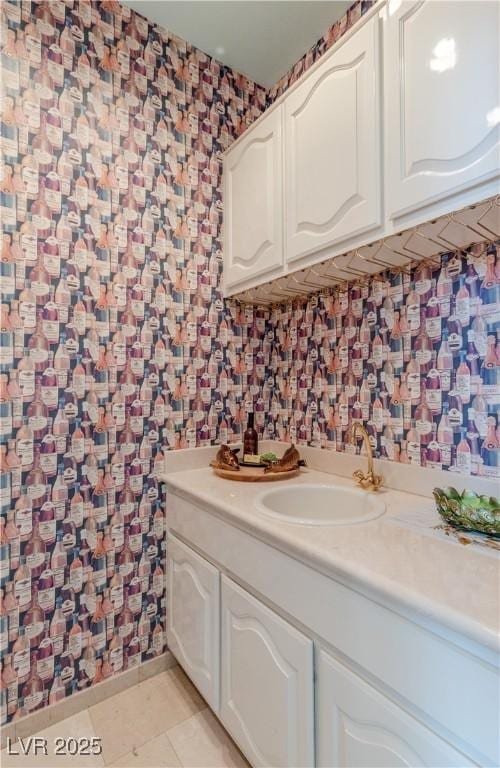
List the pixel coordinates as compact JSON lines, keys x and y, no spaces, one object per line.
{"x":254,"y":474}
{"x":226,"y":465}
{"x":469,"y":511}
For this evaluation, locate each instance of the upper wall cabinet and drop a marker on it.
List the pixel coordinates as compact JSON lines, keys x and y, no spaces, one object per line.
{"x":332,"y":148}
{"x":253,"y":203}
{"x":397,"y":125}
{"x":442,"y":105}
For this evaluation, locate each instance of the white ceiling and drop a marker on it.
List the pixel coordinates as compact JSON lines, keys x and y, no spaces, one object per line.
{"x":261,"y":39}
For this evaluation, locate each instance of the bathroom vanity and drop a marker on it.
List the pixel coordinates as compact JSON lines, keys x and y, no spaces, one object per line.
{"x":320,"y":641}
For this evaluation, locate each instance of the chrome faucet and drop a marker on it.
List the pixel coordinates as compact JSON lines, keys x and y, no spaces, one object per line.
{"x":370,"y":481}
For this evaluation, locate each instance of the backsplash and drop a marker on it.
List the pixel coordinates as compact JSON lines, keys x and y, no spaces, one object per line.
{"x":415,"y":357}
{"x":111,"y":132}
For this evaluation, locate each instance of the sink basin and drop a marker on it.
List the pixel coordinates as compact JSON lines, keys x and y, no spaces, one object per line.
{"x":320,"y":505}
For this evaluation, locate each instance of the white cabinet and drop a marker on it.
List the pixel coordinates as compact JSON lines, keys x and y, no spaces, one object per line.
{"x":442,"y":88}
{"x":266,"y":682}
{"x":432,"y":699}
{"x":193,"y":617}
{"x":358,"y":727}
{"x":253,"y":203}
{"x":397,"y":125}
{"x":332,"y":148}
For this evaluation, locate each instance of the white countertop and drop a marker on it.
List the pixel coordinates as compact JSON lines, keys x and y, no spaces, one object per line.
{"x":400,"y":557}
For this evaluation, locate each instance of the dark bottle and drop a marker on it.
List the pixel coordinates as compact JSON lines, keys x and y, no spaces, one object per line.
{"x":250,"y":438}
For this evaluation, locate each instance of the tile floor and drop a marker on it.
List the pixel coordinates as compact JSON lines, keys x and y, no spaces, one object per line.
{"x":160,"y":723}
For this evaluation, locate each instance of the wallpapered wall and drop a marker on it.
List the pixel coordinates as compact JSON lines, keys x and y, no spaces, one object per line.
{"x":112,"y":327}
{"x":414,"y":357}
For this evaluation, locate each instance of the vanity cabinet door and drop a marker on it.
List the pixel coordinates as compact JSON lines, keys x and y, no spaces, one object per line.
{"x":332,"y":149}
{"x":358,"y":727}
{"x":442,"y":104}
{"x":253,"y":204}
{"x":193,"y":617}
{"x":266,"y":682}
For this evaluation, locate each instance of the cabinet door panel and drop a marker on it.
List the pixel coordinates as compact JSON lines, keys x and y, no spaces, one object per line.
{"x":442,"y":100}
{"x":266,"y":682}
{"x":358,"y":727}
{"x":332,"y":148}
{"x":253,"y":203}
{"x":193,"y":617}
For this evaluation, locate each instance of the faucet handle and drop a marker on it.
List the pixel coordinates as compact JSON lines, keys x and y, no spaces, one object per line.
{"x":369,"y":481}
{"x":376,"y":481}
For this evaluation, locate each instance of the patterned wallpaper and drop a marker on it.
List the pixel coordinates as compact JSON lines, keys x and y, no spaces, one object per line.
{"x":115,"y":338}
{"x":415,"y":357}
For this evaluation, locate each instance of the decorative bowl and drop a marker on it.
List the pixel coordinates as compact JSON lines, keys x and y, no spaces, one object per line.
{"x":469,"y":511}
